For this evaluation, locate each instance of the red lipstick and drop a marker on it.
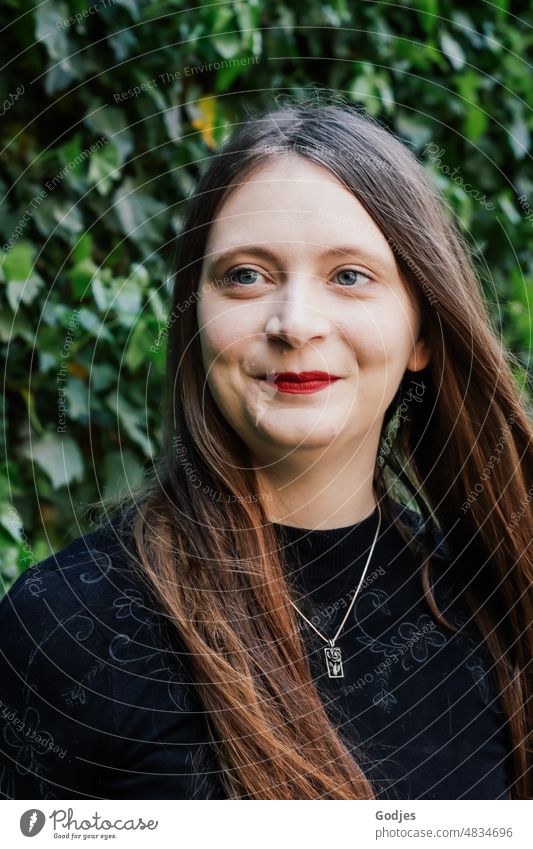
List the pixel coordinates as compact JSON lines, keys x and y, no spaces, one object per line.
{"x":299,"y":383}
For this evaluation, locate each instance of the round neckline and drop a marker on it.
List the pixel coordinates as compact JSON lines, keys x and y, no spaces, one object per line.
{"x":326,"y":563}
{"x":333,"y":532}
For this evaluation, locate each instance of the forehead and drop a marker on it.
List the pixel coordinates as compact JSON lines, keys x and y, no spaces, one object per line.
{"x":290,"y":200}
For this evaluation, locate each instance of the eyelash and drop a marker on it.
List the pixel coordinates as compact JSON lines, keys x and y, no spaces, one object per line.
{"x":238,"y":268}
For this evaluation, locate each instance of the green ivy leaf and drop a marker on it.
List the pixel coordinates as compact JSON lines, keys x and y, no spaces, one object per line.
{"x":18,"y":262}
{"x":82,"y":277}
{"x":138,"y":214}
{"x":132,"y":422}
{"x":58,"y":456}
{"x":122,"y":473}
{"x":83,"y":247}
{"x":23,"y":291}
{"x":104,"y":168}
{"x":453,"y":51}
{"x":11,"y":521}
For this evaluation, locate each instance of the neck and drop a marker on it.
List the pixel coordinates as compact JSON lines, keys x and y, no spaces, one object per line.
{"x":321,"y":496}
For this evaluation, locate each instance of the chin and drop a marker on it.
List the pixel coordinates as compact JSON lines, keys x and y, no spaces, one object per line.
{"x":292,"y":436}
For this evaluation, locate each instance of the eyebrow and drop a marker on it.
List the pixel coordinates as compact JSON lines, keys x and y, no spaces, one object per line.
{"x":266,"y":253}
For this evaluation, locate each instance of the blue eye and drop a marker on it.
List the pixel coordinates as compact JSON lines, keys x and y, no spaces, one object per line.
{"x":351,"y":279}
{"x":244,"y":273}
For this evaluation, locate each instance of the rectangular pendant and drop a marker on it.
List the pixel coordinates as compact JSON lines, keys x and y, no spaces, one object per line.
{"x":334,"y":662}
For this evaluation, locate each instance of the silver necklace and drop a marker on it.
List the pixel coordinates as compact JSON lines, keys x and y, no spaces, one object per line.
{"x":332,"y":652}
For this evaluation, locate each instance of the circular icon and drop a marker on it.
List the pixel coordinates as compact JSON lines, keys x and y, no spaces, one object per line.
{"x":32,"y":822}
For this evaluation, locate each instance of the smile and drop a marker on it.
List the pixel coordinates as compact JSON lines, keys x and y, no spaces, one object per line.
{"x":302,"y":383}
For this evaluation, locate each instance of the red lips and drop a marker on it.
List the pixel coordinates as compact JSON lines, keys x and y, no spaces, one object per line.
{"x":300,"y":383}
{"x":300,"y":377}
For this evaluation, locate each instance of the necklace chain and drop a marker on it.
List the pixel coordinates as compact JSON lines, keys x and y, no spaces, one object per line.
{"x":332,"y":642}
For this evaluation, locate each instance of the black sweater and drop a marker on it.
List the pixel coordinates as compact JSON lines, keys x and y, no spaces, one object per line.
{"x":97,"y":699}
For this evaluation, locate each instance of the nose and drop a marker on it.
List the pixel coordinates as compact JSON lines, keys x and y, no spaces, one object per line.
{"x":293,"y":319}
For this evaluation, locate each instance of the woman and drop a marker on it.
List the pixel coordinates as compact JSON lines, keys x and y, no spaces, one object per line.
{"x":319,"y":595}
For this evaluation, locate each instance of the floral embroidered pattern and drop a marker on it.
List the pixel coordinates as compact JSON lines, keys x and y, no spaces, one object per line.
{"x":131,"y":603}
{"x":27,"y":747}
{"x":103,"y":562}
{"x":78,"y":693}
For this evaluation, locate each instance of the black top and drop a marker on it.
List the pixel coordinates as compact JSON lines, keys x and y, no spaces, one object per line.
{"x":97,"y":701}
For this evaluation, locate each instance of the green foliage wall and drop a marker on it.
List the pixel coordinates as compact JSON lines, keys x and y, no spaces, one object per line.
{"x":108,"y":113}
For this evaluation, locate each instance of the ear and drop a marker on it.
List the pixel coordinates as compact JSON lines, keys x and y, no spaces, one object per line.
{"x":420,"y":356}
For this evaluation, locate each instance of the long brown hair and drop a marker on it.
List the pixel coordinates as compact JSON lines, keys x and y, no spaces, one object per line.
{"x":463,"y":458}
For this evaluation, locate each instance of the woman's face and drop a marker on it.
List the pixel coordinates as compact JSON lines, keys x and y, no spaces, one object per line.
{"x":297,"y":278}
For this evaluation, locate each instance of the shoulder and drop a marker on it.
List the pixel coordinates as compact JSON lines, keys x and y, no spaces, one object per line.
{"x":52,"y":595}
{"x":81,"y":579}
{"x":72,"y":609}
{"x":89,"y":602}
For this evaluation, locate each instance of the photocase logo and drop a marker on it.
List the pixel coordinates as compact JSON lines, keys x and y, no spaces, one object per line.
{"x":32,"y":822}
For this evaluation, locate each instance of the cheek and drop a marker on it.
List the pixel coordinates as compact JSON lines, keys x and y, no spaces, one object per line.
{"x":369,"y":340}
{"x":220,"y":336}
{"x":379,"y":336}
{"x":210,"y":330}
{"x":212,"y":342}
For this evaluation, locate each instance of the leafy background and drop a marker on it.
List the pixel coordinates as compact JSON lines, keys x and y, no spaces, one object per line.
{"x":94,"y":250}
